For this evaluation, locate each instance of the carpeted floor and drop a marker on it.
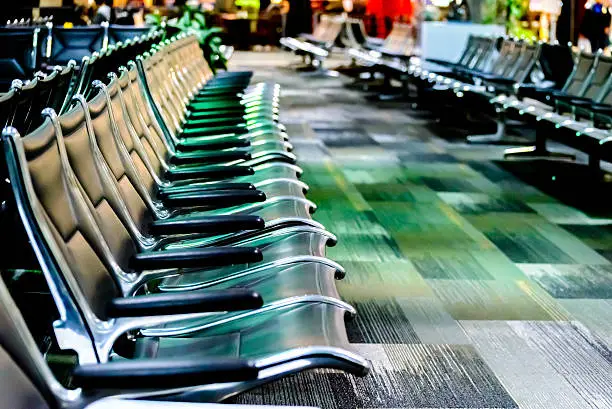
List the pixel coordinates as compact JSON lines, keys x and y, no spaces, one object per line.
{"x":478,"y":283}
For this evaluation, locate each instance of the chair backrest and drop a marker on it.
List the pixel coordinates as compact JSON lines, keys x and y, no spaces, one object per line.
{"x":100,"y":65}
{"x":152,"y":148}
{"x":499,"y":63}
{"x":63,"y":84}
{"x":527,"y":60}
{"x":7,"y":112}
{"x":482,"y":54}
{"x":399,"y":40}
{"x":44,"y":91}
{"x":508,"y":56}
{"x":75,"y":43}
{"x":70,"y":329}
{"x":399,"y":37}
{"x":580,"y":74}
{"x":75,"y":215}
{"x":470,"y":48}
{"x":605,"y":96}
{"x":119,"y":54}
{"x":80,"y":83}
{"x":18,"y":55}
{"x":117,"y":33}
{"x":321,"y":28}
{"x":64,"y":219}
{"x":556,"y":62}
{"x":358,"y":31}
{"x":133,"y":203}
{"x":334,"y":29}
{"x":16,"y":387}
{"x":60,"y":260}
{"x":25,"y":378}
{"x":601,"y":72}
{"x":26,"y":104}
{"x":348,"y":38}
{"x":7,"y":107}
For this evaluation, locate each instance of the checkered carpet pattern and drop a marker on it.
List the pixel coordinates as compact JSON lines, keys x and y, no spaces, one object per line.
{"x":475,"y":286}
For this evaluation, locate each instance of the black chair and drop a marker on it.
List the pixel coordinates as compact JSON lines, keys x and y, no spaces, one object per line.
{"x":498,"y":88}
{"x":34,"y":384}
{"x":65,"y":81}
{"x":471,"y":46}
{"x":315,"y":48}
{"x":7,"y":112}
{"x":18,"y":55}
{"x":585,"y":88}
{"x":7,"y":107}
{"x":86,"y":245}
{"x":117,"y":33}
{"x":75,"y":43}
{"x":556,"y":63}
{"x":575,"y":82}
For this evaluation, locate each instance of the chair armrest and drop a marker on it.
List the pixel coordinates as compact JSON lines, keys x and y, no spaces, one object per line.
{"x":392,"y":54}
{"x":194,"y":144}
{"x":207,"y":224}
{"x":208,"y":172}
{"x":223,"y":198}
{"x":211,"y":94}
{"x":582,"y":103}
{"x":497,"y":79}
{"x":223,"y":92}
{"x":375,"y":41}
{"x":467,"y":71}
{"x":444,"y":63}
{"x":309,"y":38}
{"x":195,"y":258}
{"x":204,"y":122}
{"x":602,"y":109}
{"x":187,"y":302}
{"x":569,"y":98}
{"x":190,"y":187}
{"x":213,"y":130}
{"x":200,"y":157}
{"x":162,"y":373}
{"x":533,"y":91}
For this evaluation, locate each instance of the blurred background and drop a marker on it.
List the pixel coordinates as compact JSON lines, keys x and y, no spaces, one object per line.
{"x":251,"y":23}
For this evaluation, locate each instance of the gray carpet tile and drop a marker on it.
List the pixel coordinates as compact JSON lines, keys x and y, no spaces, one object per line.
{"x":478,"y":282}
{"x":572,"y":281}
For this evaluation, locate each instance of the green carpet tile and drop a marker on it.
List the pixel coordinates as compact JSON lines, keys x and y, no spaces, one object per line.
{"x":477,"y":282}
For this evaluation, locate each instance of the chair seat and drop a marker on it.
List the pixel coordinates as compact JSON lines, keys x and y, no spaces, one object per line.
{"x":309,"y":335}
{"x":273,"y":283}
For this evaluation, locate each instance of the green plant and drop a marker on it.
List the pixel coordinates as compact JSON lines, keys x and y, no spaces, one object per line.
{"x":517,"y":25}
{"x":193,"y":21}
{"x":493,"y":12}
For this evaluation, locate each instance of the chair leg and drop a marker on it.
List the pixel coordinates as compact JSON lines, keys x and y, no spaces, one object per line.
{"x":594,"y":164}
{"x":539,"y":150}
{"x":389,"y":93}
{"x":499,"y":137}
{"x":320,"y":71}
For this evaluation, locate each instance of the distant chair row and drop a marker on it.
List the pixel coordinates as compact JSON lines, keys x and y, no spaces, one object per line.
{"x":20,"y":107}
{"x":27,"y":49}
{"x":27,"y":22}
{"x":554,"y":91}
{"x":350,"y":34}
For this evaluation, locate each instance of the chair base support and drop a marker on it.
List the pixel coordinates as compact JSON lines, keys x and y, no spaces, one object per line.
{"x":532,"y":152}
{"x":495,"y":139}
{"x":539,"y":150}
{"x":321,"y":72}
{"x":499,"y":137}
{"x":390,"y":97}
